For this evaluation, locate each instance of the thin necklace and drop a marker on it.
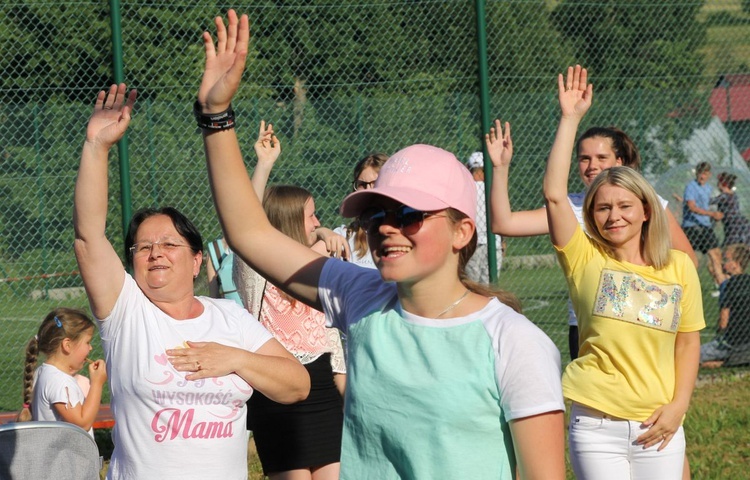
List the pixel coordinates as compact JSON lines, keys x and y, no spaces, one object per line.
{"x":454,"y":305}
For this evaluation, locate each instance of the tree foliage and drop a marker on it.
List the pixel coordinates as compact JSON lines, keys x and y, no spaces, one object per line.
{"x":619,"y":41}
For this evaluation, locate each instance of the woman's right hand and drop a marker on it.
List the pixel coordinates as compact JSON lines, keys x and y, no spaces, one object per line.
{"x":224,"y":63}
{"x":574,"y":93}
{"x":267,"y":147}
{"x":111,"y":116}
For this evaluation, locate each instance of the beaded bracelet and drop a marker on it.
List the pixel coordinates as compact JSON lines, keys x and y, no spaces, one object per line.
{"x":214,"y":121}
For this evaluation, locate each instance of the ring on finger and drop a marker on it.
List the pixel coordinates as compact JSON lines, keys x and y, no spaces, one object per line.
{"x":198,"y":366}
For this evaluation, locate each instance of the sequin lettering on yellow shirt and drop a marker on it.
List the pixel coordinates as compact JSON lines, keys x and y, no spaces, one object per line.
{"x":628,"y":297}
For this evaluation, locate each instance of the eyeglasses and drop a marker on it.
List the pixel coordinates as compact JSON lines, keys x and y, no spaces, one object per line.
{"x":142,"y":249}
{"x":362,"y":185}
{"x":408,"y":220}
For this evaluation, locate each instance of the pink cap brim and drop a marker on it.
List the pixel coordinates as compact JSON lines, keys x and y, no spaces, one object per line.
{"x":356,"y":202}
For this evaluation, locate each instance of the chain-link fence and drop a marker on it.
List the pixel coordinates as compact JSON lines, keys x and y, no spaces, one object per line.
{"x":339,"y":80}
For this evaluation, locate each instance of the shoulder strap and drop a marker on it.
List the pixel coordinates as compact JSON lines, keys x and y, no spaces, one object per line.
{"x":215,"y":253}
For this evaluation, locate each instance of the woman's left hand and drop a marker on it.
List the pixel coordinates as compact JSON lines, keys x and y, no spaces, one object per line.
{"x":203,"y":359}
{"x":662,"y":425}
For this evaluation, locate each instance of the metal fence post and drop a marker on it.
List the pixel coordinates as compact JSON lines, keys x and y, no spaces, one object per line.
{"x":484,"y":106}
{"x":122,"y":145}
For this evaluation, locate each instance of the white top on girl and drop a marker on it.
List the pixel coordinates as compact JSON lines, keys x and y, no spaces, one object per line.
{"x":52,"y":385}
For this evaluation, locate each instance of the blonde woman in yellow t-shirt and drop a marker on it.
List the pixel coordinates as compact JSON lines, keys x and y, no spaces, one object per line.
{"x":639,"y":308}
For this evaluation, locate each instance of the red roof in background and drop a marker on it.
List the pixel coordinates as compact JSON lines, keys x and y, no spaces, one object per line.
{"x":731,"y":91}
{"x":746,"y":155}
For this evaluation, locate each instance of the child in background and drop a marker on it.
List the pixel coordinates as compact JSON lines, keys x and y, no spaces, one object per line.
{"x":734,"y":308}
{"x":736,"y":225}
{"x":51,"y":392}
{"x":301,"y":440}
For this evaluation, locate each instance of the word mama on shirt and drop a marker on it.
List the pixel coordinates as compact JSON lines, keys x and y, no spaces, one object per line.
{"x":221,"y":399}
{"x":628,"y":297}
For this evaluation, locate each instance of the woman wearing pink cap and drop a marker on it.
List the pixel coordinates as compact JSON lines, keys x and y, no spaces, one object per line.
{"x":445,"y":379}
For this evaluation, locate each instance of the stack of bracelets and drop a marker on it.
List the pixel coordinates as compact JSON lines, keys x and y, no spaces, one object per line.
{"x":214,"y":121}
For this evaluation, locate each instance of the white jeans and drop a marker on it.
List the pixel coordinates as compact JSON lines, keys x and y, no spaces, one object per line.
{"x":602,"y":447}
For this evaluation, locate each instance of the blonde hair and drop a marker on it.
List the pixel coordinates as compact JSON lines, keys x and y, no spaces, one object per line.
{"x":655,"y":238}
{"x":506,"y":297}
{"x":59,"y":324}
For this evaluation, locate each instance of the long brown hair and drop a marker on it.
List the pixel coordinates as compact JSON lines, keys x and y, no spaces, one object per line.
{"x":506,"y":297}
{"x":285,"y":208}
{"x":59,"y":324}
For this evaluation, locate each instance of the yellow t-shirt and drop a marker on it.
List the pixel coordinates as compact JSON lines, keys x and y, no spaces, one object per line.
{"x":628,"y":319}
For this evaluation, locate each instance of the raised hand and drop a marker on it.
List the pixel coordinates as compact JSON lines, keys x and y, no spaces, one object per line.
{"x":224,"y":63}
{"x":267,"y":147}
{"x":499,"y":144}
{"x":111,"y":116}
{"x":574,"y":93}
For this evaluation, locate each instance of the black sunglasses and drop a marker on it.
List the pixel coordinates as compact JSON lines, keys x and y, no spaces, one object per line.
{"x":362,"y":185}
{"x":409,"y":220}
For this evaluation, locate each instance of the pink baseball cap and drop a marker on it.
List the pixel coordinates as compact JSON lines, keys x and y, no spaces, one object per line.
{"x":423,"y":177}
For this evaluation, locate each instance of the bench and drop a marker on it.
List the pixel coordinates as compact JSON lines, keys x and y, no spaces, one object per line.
{"x":104,"y":418}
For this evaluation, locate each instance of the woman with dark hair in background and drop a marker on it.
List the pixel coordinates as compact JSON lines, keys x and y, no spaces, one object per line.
{"x":365,"y":173}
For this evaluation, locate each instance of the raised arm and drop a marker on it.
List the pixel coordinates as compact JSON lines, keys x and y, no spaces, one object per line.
{"x":575,"y":97}
{"x":288,"y":264}
{"x":505,"y":221}
{"x":100,"y":267}
{"x":267,"y":149}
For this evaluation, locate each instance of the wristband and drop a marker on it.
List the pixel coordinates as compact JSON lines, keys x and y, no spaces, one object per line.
{"x":214,"y":121}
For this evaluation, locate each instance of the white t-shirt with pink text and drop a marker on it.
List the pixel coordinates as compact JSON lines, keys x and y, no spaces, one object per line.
{"x":167,"y":427}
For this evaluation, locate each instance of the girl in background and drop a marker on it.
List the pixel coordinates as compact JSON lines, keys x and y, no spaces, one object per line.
{"x":365,"y":173}
{"x":301,"y":440}
{"x":640,"y":311}
{"x":51,"y":392}
{"x":304,"y":438}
